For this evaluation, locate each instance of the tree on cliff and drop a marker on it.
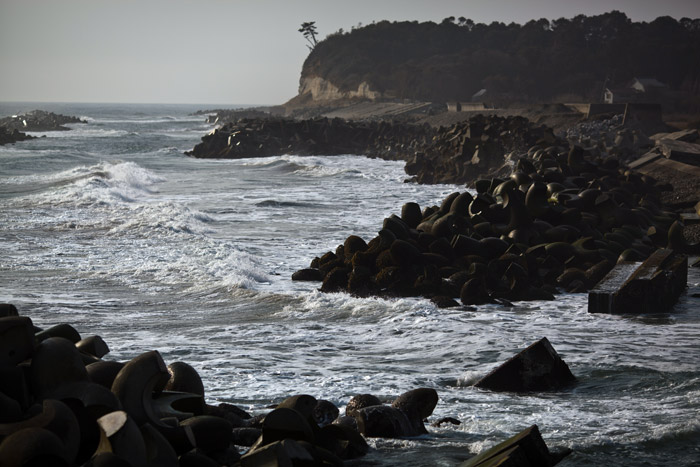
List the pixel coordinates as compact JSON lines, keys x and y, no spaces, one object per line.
{"x":308,"y":29}
{"x":540,"y":60}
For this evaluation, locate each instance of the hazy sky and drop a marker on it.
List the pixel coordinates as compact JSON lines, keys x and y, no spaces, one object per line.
{"x":218,"y":51}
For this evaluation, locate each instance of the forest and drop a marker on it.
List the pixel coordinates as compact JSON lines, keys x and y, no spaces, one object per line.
{"x":541,"y":60}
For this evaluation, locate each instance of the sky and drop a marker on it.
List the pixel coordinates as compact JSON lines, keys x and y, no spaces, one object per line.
{"x":231,"y":52}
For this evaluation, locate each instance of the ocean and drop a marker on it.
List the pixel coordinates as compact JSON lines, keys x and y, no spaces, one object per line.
{"x":111,"y":228}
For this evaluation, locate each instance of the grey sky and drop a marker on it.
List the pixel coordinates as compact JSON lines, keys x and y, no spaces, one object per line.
{"x":218,"y":51}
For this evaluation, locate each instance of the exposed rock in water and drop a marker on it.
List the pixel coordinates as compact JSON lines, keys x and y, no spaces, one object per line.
{"x":12,"y":136}
{"x":39,"y":120}
{"x":536,"y":368}
{"x":525,"y":449}
{"x":456,"y":154}
{"x":559,"y":222}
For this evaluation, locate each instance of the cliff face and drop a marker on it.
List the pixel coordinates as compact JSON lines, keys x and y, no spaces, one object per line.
{"x":323,"y":90}
{"x":539,"y":61}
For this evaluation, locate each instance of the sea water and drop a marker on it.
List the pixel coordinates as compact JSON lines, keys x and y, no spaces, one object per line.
{"x":111,"y":228}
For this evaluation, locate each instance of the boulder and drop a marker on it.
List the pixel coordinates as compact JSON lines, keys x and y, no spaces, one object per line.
{"x":526,"y":449}
{"x":537,"y":368}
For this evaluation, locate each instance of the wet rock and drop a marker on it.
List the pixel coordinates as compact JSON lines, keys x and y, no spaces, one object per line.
{"x":325,"y":413}
{"x":536,"y":368}
{"x":556,"y":225}
{"x":308,"y":274}
{"x":184,"y":378}
{"x":8,"y":136}
{"x":284,"y":452}
{"x":525,"y":449}
{"x":635,"y":287}
{"x":360,"y":401}
{"x":39,"y":120}
{"x":417,"y":405}
{"x":143,"y":412}
{"x":243,"y":436}
{"x":382,"y":421}
{"x":342,"y":440}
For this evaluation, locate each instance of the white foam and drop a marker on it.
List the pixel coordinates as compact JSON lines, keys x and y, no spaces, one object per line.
{"x":82,"y":131}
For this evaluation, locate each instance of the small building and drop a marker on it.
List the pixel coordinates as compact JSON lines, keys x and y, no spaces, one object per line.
{"x":620,"y":95}
{"x":647,"y":85}
{"x":638,"y":90}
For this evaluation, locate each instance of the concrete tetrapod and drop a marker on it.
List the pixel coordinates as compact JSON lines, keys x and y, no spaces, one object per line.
{"x":135,"y":385}
{"x":55,"y":417}
{"x":536,"y":368}
{"x":33,"y":447}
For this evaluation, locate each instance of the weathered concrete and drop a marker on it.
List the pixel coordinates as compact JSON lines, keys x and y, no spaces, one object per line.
{"x":537,"y":368}
{"x":649,"y":287}
{"x":526,"y":449}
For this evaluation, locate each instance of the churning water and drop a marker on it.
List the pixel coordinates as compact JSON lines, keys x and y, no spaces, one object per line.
{"x":111,"y":228}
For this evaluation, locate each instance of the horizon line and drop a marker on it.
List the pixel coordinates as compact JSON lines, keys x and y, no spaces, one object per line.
{"x":2,"y":101}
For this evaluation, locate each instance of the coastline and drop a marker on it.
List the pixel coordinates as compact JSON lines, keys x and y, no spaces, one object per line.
{"x":513,"y":314}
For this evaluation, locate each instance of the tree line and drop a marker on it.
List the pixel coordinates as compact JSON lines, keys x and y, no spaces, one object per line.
{"x":540,"y":60}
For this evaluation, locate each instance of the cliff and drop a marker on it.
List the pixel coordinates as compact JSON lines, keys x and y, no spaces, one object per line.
{"x":539,"y":61}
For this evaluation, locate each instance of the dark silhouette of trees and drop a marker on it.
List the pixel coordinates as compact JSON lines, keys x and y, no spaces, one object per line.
{"x":540,"y":60}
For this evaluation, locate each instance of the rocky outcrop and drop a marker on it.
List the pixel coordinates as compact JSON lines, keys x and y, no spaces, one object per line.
{"x":460,"y":153}
{"x":322,"y":136}
{"x":39,"y":120}
{"x":526,"y":449}
{"x":559,"y":222}
{"x":12,"y":136}
{"x":62,"y":404}
{"x":479,"y":147}
{"x":536,"y":368}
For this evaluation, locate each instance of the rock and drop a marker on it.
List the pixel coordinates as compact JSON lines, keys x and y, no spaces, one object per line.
{"x":93,"y":345}
{"x":360,"y":401}
{"x":104,"y":372}
{"x":634,"y":287}
{"x":308,"y":274}
{"x":560,"y":222}
{"x":421,"y":401}
{"x":211,"y":434}
{"x":12,"y":136}
{"x":39,"y":120}
{"x":66,"y":331}
{"x":280,"y":453}
{"x":8,"y":309}
{"x":56,"y":362}
{"x":417,"y":405}
{"x":382,"y":421}
{"x":284,"y":423}
{"x":325,"y":413}
{"x":536,"y":368}
{"x":184,"y":378}
{"x":33,"y":446}
{"x":525,"y":449}
{"x":243,"y":436}
{"x":342,"y":440}
{"x":16,"y":340}
{"x":444,"y":420}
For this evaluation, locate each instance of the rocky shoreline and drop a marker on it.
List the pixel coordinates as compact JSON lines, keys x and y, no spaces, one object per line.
{"x":39,"y":120}
{"x":12,"y":136}
{"x":12,"y":128}
{"x":560,"y":222}
{"x":552,"y":213}
{"x":456,"y":154}
{"x":63,"y":404}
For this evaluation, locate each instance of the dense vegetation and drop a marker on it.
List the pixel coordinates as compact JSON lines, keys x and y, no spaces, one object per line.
{"x":540,"y":60}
